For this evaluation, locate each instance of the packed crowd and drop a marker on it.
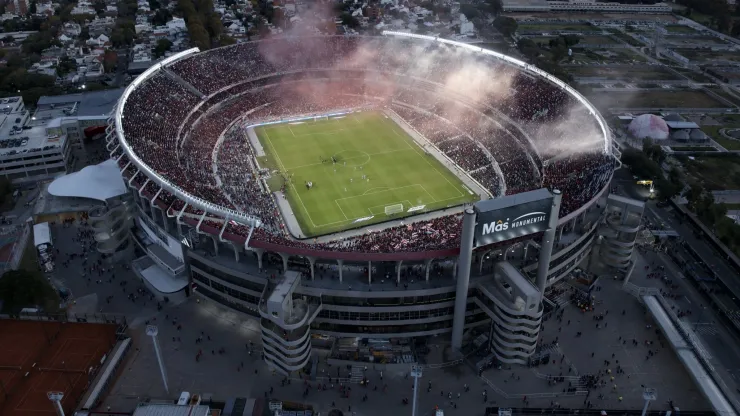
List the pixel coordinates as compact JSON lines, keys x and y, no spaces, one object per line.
{"x":186,"y":138}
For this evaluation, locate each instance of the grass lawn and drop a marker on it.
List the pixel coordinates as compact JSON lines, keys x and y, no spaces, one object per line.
{"x":597,"y":40}
{"x":717,"y":173}
{"x":628,"y":75}
{"x":574,"y":27}
{"x":713,"y":132}
{"x":376,"y":165}
{"x":627,"y":38}
{"x":706,"y":54}
{"x":693,"y":148}
{"x":656,"y":99}
{"x":680,"y":29}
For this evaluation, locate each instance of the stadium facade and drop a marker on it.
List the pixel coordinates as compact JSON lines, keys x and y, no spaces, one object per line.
{"x":197,"y":237}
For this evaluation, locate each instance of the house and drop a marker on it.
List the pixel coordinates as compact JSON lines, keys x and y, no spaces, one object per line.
{"x":236,"y":28}
{"x":100,"y":26}
{"x":466,"y":27}
{"x":65,"y":39}
{"x":83,"y":7}
{"x":100,"y":40}
{"x":177,"y":24}
{"x":72,"y":29}
{"x":142,"y":24}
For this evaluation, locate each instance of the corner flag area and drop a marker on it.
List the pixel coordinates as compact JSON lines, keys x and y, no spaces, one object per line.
{"x":353,"y":170}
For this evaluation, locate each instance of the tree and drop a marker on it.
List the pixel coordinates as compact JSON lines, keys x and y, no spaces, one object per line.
{"x":469,"y":11}
{"x":198,"y":34}
{"x":163,"y":45}
{"x":110,"y":60}
{"x":666,"y":189}
{"x":161,"y":17}
{"x":349,"y":20}
{"x":32,"y":8}
{"x":22,"y":288}
{"x":528,"y":48}
{"x":653,"y":151}
{"x":65,"y":66}
{"x":505,"y":25}
{"x":226,"y":40}
{"x":495,"y":7}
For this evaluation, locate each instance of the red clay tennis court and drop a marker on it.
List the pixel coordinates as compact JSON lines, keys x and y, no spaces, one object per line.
{"x":38,"y":357}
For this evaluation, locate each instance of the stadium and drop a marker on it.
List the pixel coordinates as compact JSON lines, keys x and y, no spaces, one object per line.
{"x":327,"y":175}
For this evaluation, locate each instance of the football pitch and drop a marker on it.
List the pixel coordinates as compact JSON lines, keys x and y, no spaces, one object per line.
{"x":360,"y":166}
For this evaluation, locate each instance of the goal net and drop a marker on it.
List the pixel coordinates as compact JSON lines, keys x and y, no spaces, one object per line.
{"x":393,"y":209}
{"x":320,"y":118}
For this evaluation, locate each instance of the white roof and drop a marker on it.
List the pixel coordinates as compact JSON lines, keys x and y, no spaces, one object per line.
{"x":171,"y":410}
{"x":41,"y":234}
{"x":163,"y":281}
{"x":648,"y":126}
{"x":98,"y":182}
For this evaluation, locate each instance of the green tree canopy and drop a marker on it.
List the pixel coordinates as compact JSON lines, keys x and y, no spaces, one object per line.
{"x":22,"y":289}
{"x":163,"y":45}
{"x":505,"y":25}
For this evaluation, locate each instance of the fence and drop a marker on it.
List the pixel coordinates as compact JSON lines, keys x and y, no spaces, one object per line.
{"x":98,"y":318}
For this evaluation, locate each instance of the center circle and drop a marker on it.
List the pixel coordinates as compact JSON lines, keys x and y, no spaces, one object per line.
{"x":352,"y":158}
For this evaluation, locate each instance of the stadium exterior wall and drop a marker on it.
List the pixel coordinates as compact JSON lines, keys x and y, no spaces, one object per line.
{"x":232,"y":272}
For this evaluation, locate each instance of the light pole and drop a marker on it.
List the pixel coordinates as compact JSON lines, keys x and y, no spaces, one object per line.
{"x":416,"y":374}
{"x":649,"y":394}
{"x":56,"y":399}
{"x":152,"y":331}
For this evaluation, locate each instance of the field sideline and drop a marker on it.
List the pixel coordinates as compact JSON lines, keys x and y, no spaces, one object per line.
{"x":358,"y":165}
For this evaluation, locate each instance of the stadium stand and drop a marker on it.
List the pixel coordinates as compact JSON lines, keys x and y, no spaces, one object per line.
{"x":509,"y":141}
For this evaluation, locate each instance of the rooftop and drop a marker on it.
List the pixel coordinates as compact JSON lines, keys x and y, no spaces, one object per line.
{"x":99,"y":182}
{"x":35,"y":137}
{"x":87,"y":104}
{"x":171,"y":410}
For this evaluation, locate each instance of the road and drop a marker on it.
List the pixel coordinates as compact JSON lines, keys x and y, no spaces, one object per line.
{"x":710,"y":330}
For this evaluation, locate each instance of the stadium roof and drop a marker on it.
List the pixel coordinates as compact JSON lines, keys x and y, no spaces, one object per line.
{"x":98,"y":182}
{"x":98,"y":103}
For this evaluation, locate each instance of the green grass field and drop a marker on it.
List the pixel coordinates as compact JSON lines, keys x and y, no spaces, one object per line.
{"x":395,"y":169}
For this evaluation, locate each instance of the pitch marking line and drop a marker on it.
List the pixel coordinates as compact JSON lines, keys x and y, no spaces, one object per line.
{"x":319,"y":133}
{"x":389,"y":189}
{"x":393,"y":128}
{"x":382,"y":211}
{"x":378,"y":189}
{"x":340,"y":208}
{"x":280,"y":162}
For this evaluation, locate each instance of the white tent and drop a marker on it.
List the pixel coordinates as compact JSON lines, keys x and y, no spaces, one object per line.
{"x":648,"y":126}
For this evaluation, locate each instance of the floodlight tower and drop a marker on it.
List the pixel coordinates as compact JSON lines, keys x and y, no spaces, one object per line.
{"x":56,"y":400}
{"x":416,"y":371}
{"x":649,"y":394}
{"x":152,"y":331}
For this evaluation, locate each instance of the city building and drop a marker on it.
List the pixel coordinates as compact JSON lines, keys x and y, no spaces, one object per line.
{"x":17,"y":7}
{"x":73,"y":114}
{"x":583,"y":6}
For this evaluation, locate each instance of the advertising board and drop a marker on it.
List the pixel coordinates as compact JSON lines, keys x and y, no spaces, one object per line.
{"x":512,"y":217}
